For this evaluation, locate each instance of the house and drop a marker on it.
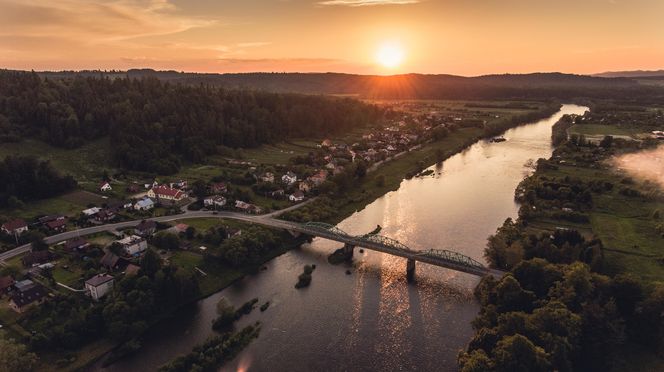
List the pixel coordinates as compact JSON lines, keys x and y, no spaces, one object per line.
{"x":330,"y":165}
{"x":218,"y":188}
{"x":6,"y":284}
{"x":246,"y":207}
{"x":146,"y":228}
{"x":113,"y":262}
{"x":133,"y":245}
{"x":277,"y":193}
{"x":297,"y":196}
{"x":91,"y":211}
{"x":144,"y":204}
{"x":14,"y":227}
{"x":54,"y":217}
{"x":105,"y":215}
{"x":289,"y":178}
{"x":37,"y":258}
{"x":181,"y":184}
{"x":165,"y":193}
{"x":99,"y":286}
{"x":318,"y":178}
{"x":232,"y":231}
{"x":27,"y":293}
{"x":179,"y":228}
{"x":216,"y":201}
{"x":57,"y":226}
{"x":326,"y":143}
{"x":267,"y":177}
{"x":76,"y":245}
{"x":105,"y":186}
{"x":305,"y":186}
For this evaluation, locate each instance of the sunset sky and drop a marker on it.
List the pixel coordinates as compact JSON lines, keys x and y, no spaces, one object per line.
{"x":426,"y":36}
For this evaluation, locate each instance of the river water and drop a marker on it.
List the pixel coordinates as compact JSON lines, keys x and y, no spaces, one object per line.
{"x":373,"y":319}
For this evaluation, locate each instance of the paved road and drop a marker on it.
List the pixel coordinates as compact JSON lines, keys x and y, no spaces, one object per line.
{"x":264,"y":219}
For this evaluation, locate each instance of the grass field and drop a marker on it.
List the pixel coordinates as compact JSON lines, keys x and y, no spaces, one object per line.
{"x":602,"y":130}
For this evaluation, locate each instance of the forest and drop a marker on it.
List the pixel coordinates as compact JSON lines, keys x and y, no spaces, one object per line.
{"x":154,"y":126}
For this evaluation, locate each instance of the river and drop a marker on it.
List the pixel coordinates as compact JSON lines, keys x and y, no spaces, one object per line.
{"x":373,"y":319}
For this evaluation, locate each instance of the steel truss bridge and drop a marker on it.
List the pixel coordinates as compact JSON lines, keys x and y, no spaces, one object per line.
{"x":437,"y":257}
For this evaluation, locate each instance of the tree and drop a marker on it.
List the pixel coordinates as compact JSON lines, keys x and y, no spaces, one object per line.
{"x":14,"y":357}
{"x":518,"y":354}
{"x":199,"y":189}
{"x":150,"y":263}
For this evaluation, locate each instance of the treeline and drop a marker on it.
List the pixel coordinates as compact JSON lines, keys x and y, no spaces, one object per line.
{"x":25,"y":178}
{"x":155,"y":125}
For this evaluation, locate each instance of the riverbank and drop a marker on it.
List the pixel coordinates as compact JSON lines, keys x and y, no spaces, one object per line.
{"x":583,"y":223}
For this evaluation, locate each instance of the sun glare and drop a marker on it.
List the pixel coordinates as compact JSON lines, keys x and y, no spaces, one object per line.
{"x":390,"y":55}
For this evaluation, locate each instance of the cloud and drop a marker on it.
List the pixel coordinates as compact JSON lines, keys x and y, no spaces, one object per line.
{"x":358,"y":3}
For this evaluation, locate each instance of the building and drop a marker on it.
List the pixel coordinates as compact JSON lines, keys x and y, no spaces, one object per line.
{"x":105,"y":186}
{"x":305,"y":186}
{"x":99,"y":286}
{"x":326,"y":143}
{"x":26,"y":293}
{"x":113,"y":262}
{"x":91,"y":211}
{"x":6,"y":284}
{"x":56,"y":226}
{"x":267,"y":177}
{"x":37,"y":258}
{"x":14,"y":227}
{"x":246,"y":207}
{"x":76,"y":245}
{"x":146,"y":228}
{"x":216,"y":201}
{"x":289,"y":178}
{"x":46,"y":219}
{"x":133,"y":245}
{"x":165,"y":193}
{"x":297,"y":196}
{"x":181,"y":184}
{"x":105,"y":215}
{"x":318,"y":178}
{"x":218,"y":188}
{"x":144,"y":204}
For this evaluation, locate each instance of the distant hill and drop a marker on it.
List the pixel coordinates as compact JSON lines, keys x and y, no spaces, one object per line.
{"x":528,"y":86}
{"x":630,"y":74}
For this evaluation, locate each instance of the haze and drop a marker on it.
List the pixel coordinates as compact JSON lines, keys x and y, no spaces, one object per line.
{"x":452,"y":36}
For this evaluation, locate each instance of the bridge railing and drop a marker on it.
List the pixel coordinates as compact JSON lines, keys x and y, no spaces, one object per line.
{"x":449,"y":256}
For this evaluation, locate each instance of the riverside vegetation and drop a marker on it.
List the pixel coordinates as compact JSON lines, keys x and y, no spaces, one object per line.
{"x":584,"y":289}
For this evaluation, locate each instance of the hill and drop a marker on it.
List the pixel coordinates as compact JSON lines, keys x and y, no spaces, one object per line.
{"x":630,"y":74}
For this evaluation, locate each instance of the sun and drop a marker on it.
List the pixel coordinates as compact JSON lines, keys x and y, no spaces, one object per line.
{"x":390,"y":55}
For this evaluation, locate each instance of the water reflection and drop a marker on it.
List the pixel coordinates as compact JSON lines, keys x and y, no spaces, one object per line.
{"x":372,"y":319}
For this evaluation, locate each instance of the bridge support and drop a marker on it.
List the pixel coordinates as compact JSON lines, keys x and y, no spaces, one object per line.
{"x":410,"y":270}
{"x":348,"y":251}
{"x":294,"y":234}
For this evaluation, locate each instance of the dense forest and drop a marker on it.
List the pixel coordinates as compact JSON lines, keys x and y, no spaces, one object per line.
{"x":26,"y":178}
{"x":411,"y":86}
{"x":155,"y":125}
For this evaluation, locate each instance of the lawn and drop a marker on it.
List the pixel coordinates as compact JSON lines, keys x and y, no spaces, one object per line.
{"x":601,"y":130}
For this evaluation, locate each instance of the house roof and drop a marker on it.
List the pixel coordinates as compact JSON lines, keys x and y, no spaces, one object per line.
{"x":298,"y":194}
{"x":72,"y":244}
{"x":38,"y":257}
{"x":145,"y":202}
{"x":98,"y":280}
{"x":29,"y":294}
{"x":54,"y":224}
{"x":167,"y":191}
{"x":110,"y":259}
{"x":14,"y":224}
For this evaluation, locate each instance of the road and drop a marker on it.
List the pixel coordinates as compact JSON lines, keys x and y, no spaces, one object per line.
{"x":263,"y":219}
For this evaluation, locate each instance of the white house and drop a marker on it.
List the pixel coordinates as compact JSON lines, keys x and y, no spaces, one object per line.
{"x":105,"y":186}
{"x":14,"y":227}
{"x":99,"y":286}
{"x":133,"y":245}
{"x":91,"y":211}
{"x":296,"y":196}
{"x":289,"y":178}
{"x":144,"y":204}
{"x":214,"y":201}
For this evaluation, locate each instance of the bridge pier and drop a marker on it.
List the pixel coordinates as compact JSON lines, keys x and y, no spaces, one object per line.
{"x":348,"y":251}
{"x":410,"y":270}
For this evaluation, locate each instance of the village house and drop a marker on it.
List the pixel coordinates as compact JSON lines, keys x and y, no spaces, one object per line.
{"x":318,"y":178}
{"x":246,"y":207}
{"x":181,"y":184}
{"x":6,"y":283}
{"x":57,"y":226}
{"x":232,"y":231}
{"x":267,"y":177}
{"x":164,"y":193}
{"x":44,"y":220}
{"x":305,"y":186}
{"x":326,"y":143}
{"x":91,"y":211}
{"x":105,"y":186}
{"x":99,"y":286}
{"x":277,"y":193}
{"x":113,"y":262}
{"x":297,"y":196}
{"x":215,"y":201}
{"x":26,"y":293}
{"x":37,"y":258}
{"x":14,"y":227}
{"x":289,"y":178}
{"x":133,"y":245}
{"x":145,"y":228}
{"x":180,"y":228}
{"x":218,"y":188}
{"x":76,"y":245}
{"x":144,"y":204}
{"x":105,"y":215}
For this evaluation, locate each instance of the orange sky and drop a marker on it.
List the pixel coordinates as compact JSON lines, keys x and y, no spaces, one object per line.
{"x":437,"y":36}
